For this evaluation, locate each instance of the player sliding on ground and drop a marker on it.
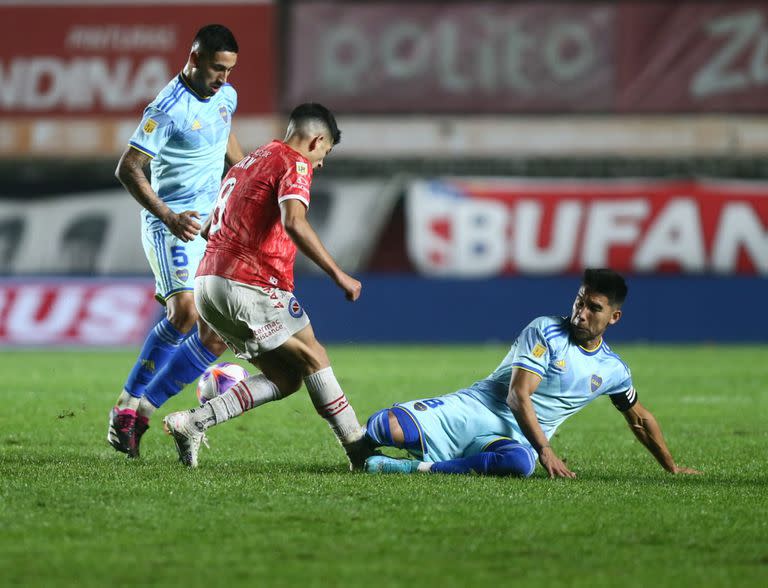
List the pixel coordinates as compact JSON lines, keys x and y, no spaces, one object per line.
{"x":500,"y":425}
{"x":244,"y":284}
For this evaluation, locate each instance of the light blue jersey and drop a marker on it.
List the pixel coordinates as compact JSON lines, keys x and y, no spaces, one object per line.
{"x":463,"y":423}
{"x":186,"y":136}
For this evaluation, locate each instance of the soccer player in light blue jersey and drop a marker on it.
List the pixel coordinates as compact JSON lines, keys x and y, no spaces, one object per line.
{"x":502,"y":424}
{"x":185,"y":136}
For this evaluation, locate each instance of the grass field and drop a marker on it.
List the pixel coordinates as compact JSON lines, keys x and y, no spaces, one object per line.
{"x":272,"y":504}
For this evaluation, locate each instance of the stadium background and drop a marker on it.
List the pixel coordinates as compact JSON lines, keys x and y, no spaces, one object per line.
{"x":490,"y":151}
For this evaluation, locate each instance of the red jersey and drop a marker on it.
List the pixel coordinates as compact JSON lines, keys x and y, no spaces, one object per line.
{"x":247,"y":242}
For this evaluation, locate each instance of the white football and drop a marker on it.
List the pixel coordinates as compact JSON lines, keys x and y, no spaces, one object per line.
{"x":217,"y":379}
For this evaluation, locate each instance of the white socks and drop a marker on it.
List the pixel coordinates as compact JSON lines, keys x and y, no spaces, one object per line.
{"x":331,"y":404}
{"x":249,"y":393}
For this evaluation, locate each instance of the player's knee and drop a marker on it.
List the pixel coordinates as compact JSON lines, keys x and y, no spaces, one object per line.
{"x":390,"y":427}
{"x":514,"y":459}
{"x":182,"y":315}
{"x":380,"y":430}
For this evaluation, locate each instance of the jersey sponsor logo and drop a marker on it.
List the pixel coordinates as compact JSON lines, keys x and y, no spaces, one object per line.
{"x":266,"y":331}
{"x":182,"y":274}
{"x":538,"y":350}
{"x":224,"y":113}
{"x":196,"y":125}
{"x":294,"y":308}
{"x":302,"y":168}
{"x":595,"y":382}
{"x":149,"y":126}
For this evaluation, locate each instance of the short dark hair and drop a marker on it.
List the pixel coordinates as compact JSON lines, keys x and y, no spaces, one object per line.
{"x":606,"y":282}
{"x":314,"y":112}
{"x":213,"y":38}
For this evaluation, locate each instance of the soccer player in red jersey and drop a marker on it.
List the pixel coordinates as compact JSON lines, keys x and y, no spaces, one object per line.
{"x":244,"y":285}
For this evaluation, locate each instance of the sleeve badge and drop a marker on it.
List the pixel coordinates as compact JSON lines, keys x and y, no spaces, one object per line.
{"x":149,"y":126}
{"x":538,"y":350}
{"x":302,"y":168}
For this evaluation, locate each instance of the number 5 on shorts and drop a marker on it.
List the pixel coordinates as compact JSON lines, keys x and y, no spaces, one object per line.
{"x":180,"y":258}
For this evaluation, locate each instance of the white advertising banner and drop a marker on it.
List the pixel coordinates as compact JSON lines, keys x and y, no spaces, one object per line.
{"x":93,"y":233}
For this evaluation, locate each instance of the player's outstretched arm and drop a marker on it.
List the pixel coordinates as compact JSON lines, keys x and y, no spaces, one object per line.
{"x":645,"y":427}
{"x":294,"y":216}
{"x":522,"y":385}
{"x":130,"y":172}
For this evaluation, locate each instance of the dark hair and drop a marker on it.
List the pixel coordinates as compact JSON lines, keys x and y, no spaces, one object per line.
{"x":214,"y":38}
{"x":606,"y":282}
{"x":313,"y":112}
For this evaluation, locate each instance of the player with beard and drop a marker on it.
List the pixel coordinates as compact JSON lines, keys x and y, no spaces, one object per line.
{"x":502,"y":424}
{"x":185,"y":137}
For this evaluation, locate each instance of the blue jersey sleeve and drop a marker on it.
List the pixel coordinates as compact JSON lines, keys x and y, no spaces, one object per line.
{"x":532,"y":351}
{"x":153,"y":132}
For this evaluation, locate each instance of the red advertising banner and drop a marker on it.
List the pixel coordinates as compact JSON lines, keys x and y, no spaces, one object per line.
{"x":112,"y":60}
{"x":76,"y":312}
{"x":692,"y":56}
{"x":486,"y":227}
{"x":480,"y":57}
{"x":451,"y":57}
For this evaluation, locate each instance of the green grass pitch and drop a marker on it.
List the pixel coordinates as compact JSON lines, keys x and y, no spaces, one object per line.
{"x":272,"y":503}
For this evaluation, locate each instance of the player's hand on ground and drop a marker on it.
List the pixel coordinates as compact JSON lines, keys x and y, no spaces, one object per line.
{"x":555,"y":467}
{"x":690,"y":471}
{"x":351,"y":287}
{"x":183,"y":224}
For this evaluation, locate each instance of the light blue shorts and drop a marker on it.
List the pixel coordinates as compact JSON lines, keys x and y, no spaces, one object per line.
{"x":460,"y":425}
{"x":173,"y":261}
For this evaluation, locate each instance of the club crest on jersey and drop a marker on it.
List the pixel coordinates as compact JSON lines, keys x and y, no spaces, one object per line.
{"x":149,"y":126}
{"x":538,"y":350}
{"x":294,"y":308}
{"x":224,"y":113}
{"x":595,"y":382}
{"x":182,"y":274}
{"x":302,"y":168}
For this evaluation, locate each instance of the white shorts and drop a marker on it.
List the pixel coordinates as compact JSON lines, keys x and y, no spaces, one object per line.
{"x":250,"y":319}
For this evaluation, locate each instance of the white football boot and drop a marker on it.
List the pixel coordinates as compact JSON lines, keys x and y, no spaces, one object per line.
{"x":188,"y":433}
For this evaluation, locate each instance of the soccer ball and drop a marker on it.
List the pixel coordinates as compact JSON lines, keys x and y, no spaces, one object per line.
{"x":217,"y":379}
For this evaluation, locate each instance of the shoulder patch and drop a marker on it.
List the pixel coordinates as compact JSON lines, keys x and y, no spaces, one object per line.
{"x":302,"y":168}
{"x":149,"y":126}
{"x":538,"y":350}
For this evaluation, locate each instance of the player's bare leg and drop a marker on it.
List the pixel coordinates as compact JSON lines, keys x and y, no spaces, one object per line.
{"x":306,"y":356}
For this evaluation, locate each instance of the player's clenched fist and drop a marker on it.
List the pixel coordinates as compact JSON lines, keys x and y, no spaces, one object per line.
{"x":352,"y":287}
